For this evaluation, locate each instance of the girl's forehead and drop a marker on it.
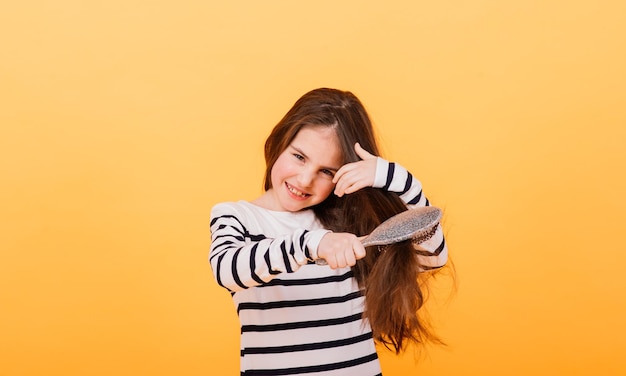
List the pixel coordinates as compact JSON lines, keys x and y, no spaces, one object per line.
{"x":320,"y":143}
{"x":317,"y":133}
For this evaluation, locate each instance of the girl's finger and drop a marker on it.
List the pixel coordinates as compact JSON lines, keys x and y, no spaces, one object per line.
{"x":341,"y":260}
{"x":342,"y":183}
{"x":353,"y":188}
{"x":359,"y":250}
{"x":362,"y":153}
{"x":343,"y":170}
{"x":332,"y":261}
{"x":350,"y":258}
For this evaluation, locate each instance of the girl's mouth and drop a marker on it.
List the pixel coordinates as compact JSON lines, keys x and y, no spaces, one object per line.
{"x":296,"y":192}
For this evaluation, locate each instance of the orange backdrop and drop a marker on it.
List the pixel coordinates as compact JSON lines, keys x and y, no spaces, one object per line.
{"x":123,"y":122}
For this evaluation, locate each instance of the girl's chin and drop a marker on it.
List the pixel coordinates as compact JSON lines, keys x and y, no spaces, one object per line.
{"x":296,"y":204}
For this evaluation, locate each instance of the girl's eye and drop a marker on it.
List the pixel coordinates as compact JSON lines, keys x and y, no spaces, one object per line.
{"x":328,"y":172}
{"x":299,"y":157}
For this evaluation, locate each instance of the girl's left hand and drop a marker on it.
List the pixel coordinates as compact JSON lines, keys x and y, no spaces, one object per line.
{"x":356,"y":175}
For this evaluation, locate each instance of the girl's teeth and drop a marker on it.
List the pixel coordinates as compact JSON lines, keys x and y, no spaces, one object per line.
{"x":296,"y":192}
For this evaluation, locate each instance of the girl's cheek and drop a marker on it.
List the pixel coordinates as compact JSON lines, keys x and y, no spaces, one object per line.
{"x":329,"y":187}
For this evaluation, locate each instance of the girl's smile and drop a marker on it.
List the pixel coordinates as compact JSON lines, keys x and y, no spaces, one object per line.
{"x":296,"y":192}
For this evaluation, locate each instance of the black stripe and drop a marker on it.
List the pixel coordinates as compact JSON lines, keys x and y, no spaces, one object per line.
{"x":240,"y":230}
{"x":392,"y":167}
{"x":415,"y":199}
{"x":253,"y":274}
{"x":307,"y":346}
{"x":310,"y":281}
{"x":436,"y":252}
{"x":237,"y":236}
{"x":233,"y":269}
{"x":218,"y":273}
{"x":300,"y":324}
{"x":292,"y":251}
{"x":226,"y":217}
{"x":256,"y":238}
{"x":302,"y":247}
{"x":232,"y":226}
{"x":407,"y":185}
{"x":302,"y":240}
{"x":269,"y":264}
{"x":214,"y":220}
{"x":311,"y":369}
{"x":217,"y":249}
{"x":431,"y":267}
{"x":298,"y":303}
{"x":441,"y":247}
{"x":283,"y":251}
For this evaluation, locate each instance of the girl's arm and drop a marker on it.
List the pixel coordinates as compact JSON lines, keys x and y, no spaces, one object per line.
{"x":433,"y":253}
{"x":240,"y":260}
{"x":373,"y":171}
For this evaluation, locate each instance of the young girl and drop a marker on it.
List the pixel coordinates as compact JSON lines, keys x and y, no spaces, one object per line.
{"x":324,"y":186}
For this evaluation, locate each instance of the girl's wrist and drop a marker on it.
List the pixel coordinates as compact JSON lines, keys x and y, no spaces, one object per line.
{"x":380,"y":177}
{"x":313,"y":239}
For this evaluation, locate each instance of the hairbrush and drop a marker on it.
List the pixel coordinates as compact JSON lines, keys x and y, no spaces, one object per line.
{"x":418,"y":225}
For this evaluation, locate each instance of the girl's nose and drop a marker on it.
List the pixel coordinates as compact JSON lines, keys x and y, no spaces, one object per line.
{"x":306,"y":177}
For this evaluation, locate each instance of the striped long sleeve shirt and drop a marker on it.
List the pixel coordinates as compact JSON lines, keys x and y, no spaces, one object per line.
{"x":298,"y":317}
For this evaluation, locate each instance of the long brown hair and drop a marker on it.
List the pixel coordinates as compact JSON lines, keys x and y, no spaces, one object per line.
{"x":393,"y":291}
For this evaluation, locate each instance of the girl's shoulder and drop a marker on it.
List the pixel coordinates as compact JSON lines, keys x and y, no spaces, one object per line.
{"x":244,"y":209}
{"x":237,"y":208}
{"x":241,"y":212}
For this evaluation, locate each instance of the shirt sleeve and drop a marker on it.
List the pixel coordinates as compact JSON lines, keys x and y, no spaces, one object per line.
{"x":240,"y":260}
{"x":392,"y":177}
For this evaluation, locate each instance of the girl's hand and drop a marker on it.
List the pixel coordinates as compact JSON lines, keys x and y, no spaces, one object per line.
{"x":340,"y":249}
{"x":353,"y":176}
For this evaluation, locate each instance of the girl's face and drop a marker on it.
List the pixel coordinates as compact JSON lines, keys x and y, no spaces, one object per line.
{"x":302,"y":175}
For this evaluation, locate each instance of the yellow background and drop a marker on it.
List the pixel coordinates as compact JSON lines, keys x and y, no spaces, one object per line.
{"x":123,"y":122}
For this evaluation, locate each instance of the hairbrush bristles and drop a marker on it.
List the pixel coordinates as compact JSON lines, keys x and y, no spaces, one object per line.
{"x":414,"y":224}
{"x":424,"y":237}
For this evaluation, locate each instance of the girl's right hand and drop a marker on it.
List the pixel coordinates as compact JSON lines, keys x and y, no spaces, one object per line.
{"x":340,"y":249}
{"x":356,"y":175}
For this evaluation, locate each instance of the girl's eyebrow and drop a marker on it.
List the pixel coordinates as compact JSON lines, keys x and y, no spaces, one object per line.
{"x":299,"y":151}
